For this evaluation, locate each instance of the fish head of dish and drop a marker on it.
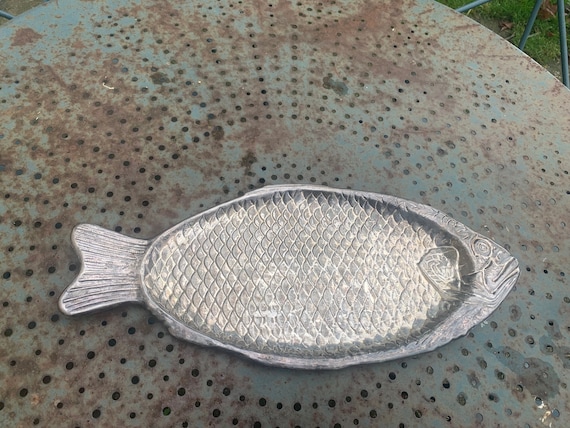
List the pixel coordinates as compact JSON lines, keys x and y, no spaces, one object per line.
{"x":476,"y":271}
{"x":495,"y":269}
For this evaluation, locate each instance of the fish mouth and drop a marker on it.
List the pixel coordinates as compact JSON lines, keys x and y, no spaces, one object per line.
{"x":499,"y":278}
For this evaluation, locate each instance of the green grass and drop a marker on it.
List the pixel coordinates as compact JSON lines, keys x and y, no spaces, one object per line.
{"x":15,"y":7}
{"x":543,"y":45}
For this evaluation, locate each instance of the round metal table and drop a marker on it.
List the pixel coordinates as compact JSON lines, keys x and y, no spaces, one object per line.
{"x":134,"y":115}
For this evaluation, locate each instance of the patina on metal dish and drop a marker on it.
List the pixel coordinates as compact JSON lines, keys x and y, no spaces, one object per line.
{"x":302,"y":276}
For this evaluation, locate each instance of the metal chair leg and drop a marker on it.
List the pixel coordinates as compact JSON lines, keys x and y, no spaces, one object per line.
{"x":563,"y":42}
{"x":530,"y":23}
{"x":471,"y":5}
{"x":5,"y":15}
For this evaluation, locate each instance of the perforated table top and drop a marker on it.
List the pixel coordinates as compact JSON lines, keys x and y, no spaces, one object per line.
{"x":134,"y":115}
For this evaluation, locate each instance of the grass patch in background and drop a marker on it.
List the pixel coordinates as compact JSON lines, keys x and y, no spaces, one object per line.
{"x":16,"y":7}
{"x":508,"y":18}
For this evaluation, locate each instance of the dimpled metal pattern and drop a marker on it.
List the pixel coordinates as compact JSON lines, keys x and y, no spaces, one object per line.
{"x":135,"y":115}
{"x":301,"y":274}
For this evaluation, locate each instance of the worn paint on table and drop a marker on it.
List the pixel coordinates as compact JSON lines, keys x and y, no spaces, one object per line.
{"x":135,"y":115}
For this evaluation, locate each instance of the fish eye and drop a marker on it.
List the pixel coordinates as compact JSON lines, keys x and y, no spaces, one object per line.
{"x":482,"y":247}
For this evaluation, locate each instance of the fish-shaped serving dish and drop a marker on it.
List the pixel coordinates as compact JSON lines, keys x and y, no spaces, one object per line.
{"x":302,"y":276}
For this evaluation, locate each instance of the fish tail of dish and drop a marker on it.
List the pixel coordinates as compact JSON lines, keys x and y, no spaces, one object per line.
{"x":110,"y":270}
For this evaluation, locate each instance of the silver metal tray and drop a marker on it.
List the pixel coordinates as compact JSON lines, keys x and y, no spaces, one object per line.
{"x":303,"y":276}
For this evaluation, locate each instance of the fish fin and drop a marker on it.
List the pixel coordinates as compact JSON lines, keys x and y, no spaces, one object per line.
{"x":109,"y":270}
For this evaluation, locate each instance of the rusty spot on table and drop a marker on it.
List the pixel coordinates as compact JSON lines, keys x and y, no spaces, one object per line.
{"x":24,"y":36}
